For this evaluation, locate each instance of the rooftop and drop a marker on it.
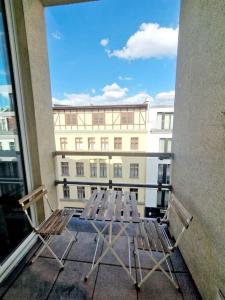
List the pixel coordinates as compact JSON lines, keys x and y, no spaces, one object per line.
{"x":69,"y":107}
{"x":43,"y":280}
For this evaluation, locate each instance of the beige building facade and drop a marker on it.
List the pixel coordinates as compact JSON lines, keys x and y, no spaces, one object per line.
{"x":91,"y":131}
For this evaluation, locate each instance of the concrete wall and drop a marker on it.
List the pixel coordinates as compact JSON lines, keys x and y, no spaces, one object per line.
{"x":35,"y":82}
{"x":199,"y":140}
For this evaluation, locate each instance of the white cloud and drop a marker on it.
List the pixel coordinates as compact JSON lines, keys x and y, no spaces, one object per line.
{"x":104,"y":42}
{"x":150,"y":41}
{"x":111,"y":94}
{"x":126,"y":78}
{"x":57,"y":35}
{"x":93,"y":91}
{"x":5,"y":90}
{"x":165,"y":96}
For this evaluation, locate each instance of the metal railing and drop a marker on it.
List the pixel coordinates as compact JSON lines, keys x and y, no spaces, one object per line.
{"x":110,"y":183}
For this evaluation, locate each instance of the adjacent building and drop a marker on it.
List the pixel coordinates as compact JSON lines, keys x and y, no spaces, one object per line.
{"x":160,"y":127}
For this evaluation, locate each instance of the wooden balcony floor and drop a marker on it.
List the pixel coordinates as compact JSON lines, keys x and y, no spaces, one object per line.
{"x":43,"y":280}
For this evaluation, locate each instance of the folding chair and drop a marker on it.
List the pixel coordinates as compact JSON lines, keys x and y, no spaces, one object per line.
{"x":54,"y":225}
{"x":151,"y":237}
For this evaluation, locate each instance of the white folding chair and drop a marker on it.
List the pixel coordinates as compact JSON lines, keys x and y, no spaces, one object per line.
{"x":151,"y":237}
{"x":54,"y":225}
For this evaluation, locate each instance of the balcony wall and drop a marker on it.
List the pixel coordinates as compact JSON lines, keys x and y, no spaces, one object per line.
{"x":34,"y":80}
{"x":199,"y":164}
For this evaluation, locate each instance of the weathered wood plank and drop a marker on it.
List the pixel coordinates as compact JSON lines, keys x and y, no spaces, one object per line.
{"x":161,"y":237}
{"x":118,"y":208}
{"x":103,"y":208}
{"x":111,"y":208}
{"x":85,"y":212}
{"x":135,"y":214}
{"x":126,"y":207}
{"x":92,"y":214}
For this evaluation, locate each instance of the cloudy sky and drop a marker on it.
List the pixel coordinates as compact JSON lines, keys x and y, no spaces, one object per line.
{"x":113,"y":51}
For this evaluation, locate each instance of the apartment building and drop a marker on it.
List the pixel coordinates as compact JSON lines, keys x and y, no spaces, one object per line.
{"x":91,"y":131}
{"x":158,"y":171}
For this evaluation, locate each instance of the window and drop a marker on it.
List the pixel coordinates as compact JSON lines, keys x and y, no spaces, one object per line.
{"x":135,"y":191}
{"x":163,"y":174}
{"x":165,"y":121}
{"x":12,"y":146}
{"x":81,"y":192}
{"x":98,"y":118}
{"x":93,"y":188}
{"x":162,"y":199}
{"x":78,"y":143}
{"x":3,"y":125}
{"x":134,"y":143}
{"x":103,"y":188}
{"x":103,"y":169}
{"x":118,"y":189}
{"x":104,"y":144}
{"x":165,"y":145}
{"x":70,"y":119}
{"x":65,"y":168}
{"x":91,"y":143}
{"x":117,"y":143}
{"x":117,"y":170}
{"x":66,"y":192}
{"x":127,"y":118}
{"x":134,"y":170}
{"x":80,"y":169}
{"x":63,"y":143}
{"x":93,"y":169}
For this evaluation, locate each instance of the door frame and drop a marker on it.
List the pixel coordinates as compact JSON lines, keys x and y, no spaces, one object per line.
{"x":16,"y":256}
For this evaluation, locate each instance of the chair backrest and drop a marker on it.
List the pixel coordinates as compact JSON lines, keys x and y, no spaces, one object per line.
{"x":182,"y":213}
{"x":32,"y":197}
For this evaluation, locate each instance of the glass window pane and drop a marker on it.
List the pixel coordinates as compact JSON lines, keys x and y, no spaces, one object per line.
{"x":13,"y":223}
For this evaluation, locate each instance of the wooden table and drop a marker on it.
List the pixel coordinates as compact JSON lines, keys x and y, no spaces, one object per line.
{"x":111,"y":207}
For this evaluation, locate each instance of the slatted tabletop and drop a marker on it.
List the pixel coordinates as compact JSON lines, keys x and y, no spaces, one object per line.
{"x":111,"y":206}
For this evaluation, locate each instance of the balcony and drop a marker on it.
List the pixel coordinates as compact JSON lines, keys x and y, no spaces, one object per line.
{"x":43,"y":280}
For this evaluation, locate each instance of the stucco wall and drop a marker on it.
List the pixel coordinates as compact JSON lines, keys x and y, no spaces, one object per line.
{"x":35,"y":80}
{"x":199,"y":140}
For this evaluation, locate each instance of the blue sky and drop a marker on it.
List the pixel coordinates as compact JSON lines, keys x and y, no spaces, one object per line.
{"x":113,"y":51}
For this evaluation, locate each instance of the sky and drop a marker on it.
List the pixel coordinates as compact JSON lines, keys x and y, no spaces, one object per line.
{"x":113,"y":51}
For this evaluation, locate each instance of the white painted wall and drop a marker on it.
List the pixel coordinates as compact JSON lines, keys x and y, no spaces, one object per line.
{"x":154,"y":135}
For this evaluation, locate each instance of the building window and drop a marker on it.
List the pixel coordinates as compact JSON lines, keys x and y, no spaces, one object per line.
{"x":63,"y":143}
{"x":80,"y":168}
{"x":70,"y":119}
{"x":118,"y":189}
{"x":104,"y":143}
{"x":103,"y":169}
{"x":165,"y":145}
{"x":98,"y":119}
{"x":12,"y":146}
{"x":162,"y":199}
{"x":134,"y":170}
{"x":164,"y":174}
{"x":81,"y":192}
{"x":65,"y":168}
{"x":93,"y":169}
{"x":165,"y":121}
{"x":91,"y":143}
{"x":103,"y":188}
{"x":93,"y":188}
{"x":78,"y":144}
{"x":117,"y":143}
{"x":3,"y":124}
{"x":134,"y":143}
{"x":134,"y":191}
{"x":66,"y":192}
{"x":127,"y":118}
{"x":117,"y":170}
